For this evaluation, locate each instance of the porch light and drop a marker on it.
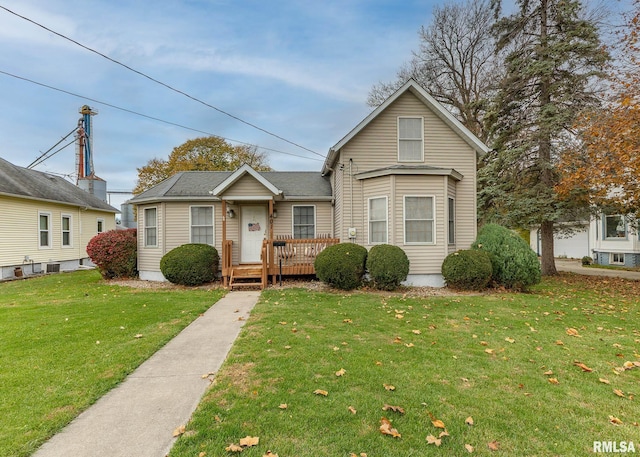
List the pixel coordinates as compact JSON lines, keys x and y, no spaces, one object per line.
{"x":231,"y":213}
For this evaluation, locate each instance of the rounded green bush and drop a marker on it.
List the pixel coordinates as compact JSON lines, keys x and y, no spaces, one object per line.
{"x":388,"y":266}
{"x":190,"y":264}
{"x":515,"y":264}
{"x":341,"y":265}
{"x":586,"y":260}
{"x":467,"y":270}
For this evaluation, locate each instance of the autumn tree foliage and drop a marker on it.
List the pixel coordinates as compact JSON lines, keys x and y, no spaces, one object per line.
{"x":554,"y":55}
{"x":210,"y":153}
{"x":603,"y":166}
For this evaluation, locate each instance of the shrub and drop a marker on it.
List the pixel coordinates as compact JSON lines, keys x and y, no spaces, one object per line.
{"x":586,"y":260}
{"x":515,"y":265}
{"x":190,"y":264}
{"x":467,"y":270}
{"x":115,"y":253}
{"x":341,"y":265}
{"x":388,"y":266}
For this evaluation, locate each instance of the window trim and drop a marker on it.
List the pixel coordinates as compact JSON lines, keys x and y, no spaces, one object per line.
{"x":400,"y":159}
{"x":315,"y":220}
{"x":213,"y":222}
{"x":433,"y":221}
{"x":49,"y":244}
{"x":451,"y":220}
{"x":145,"y":227}
{"x":64,"y":216}
{"x":386,"y":219}
{"x":615,"y":238}
{"x":612,"y":255}
{"x":99,"y":220}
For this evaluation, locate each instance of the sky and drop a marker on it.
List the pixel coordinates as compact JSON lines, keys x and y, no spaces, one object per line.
{"x":298,"y":69}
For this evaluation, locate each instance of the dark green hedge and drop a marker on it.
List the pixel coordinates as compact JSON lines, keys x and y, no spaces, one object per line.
{"x":341,"y":265}
{"x":388,"y":266}
{"x":467,"y":270}
{"x":190,"y":264}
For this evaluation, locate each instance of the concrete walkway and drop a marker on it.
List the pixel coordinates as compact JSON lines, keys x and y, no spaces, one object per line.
{"x":575,"y":266}
{"x":138,"y":417}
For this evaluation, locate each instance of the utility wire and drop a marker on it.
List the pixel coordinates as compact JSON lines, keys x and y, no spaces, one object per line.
{"x":151,"y":117}
{"x":44,"y":156}
{"x":53,"y":153}
{"x":144,"y":75}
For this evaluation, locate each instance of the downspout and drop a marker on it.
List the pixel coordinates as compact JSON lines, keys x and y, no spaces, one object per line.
{"x":351,"y":185}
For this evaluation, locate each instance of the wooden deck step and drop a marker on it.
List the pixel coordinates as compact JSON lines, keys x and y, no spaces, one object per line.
{"x":249,"y":276}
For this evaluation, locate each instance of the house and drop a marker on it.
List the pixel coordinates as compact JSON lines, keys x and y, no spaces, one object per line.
{"x":46,"y":222}
{"x":405,"y":175}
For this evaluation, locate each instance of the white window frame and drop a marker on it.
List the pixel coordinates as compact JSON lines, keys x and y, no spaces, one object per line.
{"x":293,"y":219}
{"x":433,"y":220}
{"x":612,"y":258}
{"x":63,"y":231}
{"x":615,"y":238}
{"x":99,"y":225}
{"x":148,"y":227}
{"x":49,"y":244}
{"x":451,"y":220}
{"x":421,"y":139}
{"x":386,"y":219}
{"x":191,"y":226}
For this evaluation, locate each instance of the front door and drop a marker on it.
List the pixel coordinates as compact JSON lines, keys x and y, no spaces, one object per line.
{"x":253,"y":221}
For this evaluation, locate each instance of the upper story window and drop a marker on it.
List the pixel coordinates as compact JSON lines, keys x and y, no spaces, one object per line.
{"x":44,"y":230}
{"x":378,"y":220}
{"x":66,"y":230}
{"x":304,"y":221}
{"x":202,"y":225}
{"x":410,"y":139}
{"x":419,"y":220}
{"x":151,"y":227}
{"x":615,"y":227}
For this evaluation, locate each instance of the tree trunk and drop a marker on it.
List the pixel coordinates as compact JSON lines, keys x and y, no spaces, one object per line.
{"x":548,"y":255}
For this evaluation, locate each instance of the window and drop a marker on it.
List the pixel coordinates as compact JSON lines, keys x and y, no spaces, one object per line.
{"x":44,"y":229}
{"x":615,"y":227}
{"x":419,"y":220}
{"x":452,"y":221}
{"x":304,"y":221}
{"x":616,"y":258}
{"x":202,"y":224}
{"x":150,"y":227}
{"x":66,"y":230}
{"x":410,"y":139}
{"x":100,"y":225}
{"x":378,"y":220}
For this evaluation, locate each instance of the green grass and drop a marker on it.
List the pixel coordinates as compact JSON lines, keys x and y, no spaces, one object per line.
{"x":611,"y":267}
{"x":296,"y":340}
{"x":67,"y":339}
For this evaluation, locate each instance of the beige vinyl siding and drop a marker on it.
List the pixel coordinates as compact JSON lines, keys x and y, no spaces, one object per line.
{"x":372,"y":188}
{"x":451,"y":190}
{"x":247,"y":186}
{"x":283,"y":224}
{"x":337,"y":179}
{"x":19,"y":231}
{"x":149,"y":257}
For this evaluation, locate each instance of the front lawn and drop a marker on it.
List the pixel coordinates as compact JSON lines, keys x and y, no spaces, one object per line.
{"x":536,"y":374}
{"x":67,"y":339}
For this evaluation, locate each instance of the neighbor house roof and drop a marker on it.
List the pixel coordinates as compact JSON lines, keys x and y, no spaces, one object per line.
{"x":200,"y":185}
{"x":22,"y":182}
{"x":412,"y":86}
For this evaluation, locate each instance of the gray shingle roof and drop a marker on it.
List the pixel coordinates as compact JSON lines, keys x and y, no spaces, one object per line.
{"x":37,"y":185}
{"x":197,"y":185}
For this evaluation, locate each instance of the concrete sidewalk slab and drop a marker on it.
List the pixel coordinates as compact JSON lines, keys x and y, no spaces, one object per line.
{"x":138,"y":417}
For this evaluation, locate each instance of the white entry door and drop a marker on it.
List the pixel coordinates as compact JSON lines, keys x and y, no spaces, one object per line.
{"x":254,"y":229}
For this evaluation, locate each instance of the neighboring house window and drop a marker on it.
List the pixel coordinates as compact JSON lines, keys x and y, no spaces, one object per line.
{"x":304,"y":221}
{"x":452,"y":221}
{"x":151,"y":227}
{"x":202,"y":224}
{"x":419,"y":223}
{"x":616,"y":258}
{"x":615,"y":227}
{"x":66,"y":230}
{"x":410,"y":148}
{"x":378,"y":220}
{"x":100,"y":225}
{"x":44,"y":230}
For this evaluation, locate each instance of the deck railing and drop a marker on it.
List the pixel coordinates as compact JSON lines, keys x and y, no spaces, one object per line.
{"x":227,"y":260}
{"x":289,"y":256}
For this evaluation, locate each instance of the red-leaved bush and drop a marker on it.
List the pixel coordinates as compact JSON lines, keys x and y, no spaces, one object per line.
{"x":115,"y":253}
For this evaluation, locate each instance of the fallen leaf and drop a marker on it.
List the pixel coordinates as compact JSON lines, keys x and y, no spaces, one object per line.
{"x":469,"y":421}
{"x":484,"y":343}
{"x":202,"y":454}
{"x":270,"y":454}
{"x":433,"y":440}
{"x":416,"y":332}
{"x":494,"y":445}
{"x":139,"y":335}
{"x":282,"y":323}
{"x":399,"y":316}
{"x":395,"y":409}
{"x":614,"y":420}
{"x":347,"y":321}
{"x":283,"y":406}
{"x":233,"y":448}
{"x":573,"y":332}
{"x":341,"y":372}
{"x":378,"y":363}
{"x":469,"y":448}
{"x":553,"y":381}
{"x":548,"y":373}
{"x":604,"y":381}
{"x":249,"y":441}
{"x":510,"y":340}
{"x":389,"y":387}
{"x":489,"y":351}
{"x":583,"y":367}
{"x":179,"y":431}
{"x":628,"y":365}
{"x":559,"y":343}
{"x":619,"y":393}
{"x":410,"y":345}
{"x":324,"y":393}
{"x":352,"y":410}
{"x":443,"y":433}
{"x":397,"y":340}
{"x":438,"y":423}
{"x":387,"y":429}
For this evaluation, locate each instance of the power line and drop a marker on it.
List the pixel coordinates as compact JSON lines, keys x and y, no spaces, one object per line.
{"x":47,"y":86}
{"x":144,"y":75}
{"x":44,"y":155}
